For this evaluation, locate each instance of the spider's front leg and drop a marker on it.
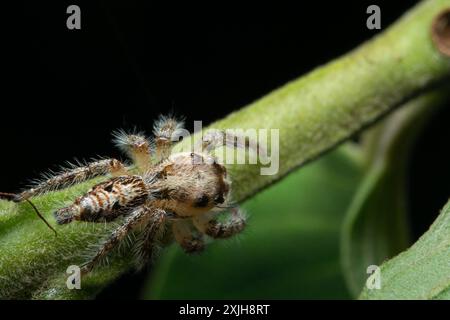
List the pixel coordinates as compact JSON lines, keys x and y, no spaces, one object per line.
{"x":208,"y":224}
{"x":184,"y":235}
{"x":136,"y":146}
{"x":70,"y":177}
{"x":137,"y":217}
{"x":164,"y":130}
{"x":217,"y":138}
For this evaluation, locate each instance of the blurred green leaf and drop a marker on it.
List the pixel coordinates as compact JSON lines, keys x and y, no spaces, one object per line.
{"x":289,"y":250}
{"x":423,"y":271}
{"x":376,"y":227}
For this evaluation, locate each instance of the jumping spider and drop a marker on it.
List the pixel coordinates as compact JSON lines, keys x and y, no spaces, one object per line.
{"x":183,"y":191}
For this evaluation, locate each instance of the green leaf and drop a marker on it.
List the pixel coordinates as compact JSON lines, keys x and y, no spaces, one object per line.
{"x":423,"y":271}
{"x":289,"y":250}
{"x":376,"y":227}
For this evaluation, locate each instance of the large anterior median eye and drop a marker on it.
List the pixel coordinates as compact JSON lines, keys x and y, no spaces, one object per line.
{"x":201,"y":201}
{"x":219,"y":199}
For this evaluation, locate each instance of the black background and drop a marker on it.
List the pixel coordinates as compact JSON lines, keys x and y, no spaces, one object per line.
{"x":64,"y":91}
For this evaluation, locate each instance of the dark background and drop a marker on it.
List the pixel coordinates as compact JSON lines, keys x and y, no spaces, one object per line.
{"x":64,"y":91}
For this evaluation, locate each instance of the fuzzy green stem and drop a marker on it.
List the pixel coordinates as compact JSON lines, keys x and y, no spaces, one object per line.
{"x":313,"y":114}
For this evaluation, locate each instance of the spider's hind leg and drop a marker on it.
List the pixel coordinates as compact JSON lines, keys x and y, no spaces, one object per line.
{"x":151,"y":238}
{"x":69,"y":177}
{"x":10,"y":196}
{"x":137,"y":217}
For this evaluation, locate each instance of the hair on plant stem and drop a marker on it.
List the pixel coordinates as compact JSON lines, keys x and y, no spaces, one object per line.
{"x":13,"y":197}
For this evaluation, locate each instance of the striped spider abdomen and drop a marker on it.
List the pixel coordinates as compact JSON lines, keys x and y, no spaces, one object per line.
{"x":106,"y":201}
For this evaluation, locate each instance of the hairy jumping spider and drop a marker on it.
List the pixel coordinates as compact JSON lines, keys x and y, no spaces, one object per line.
{"x":183,"y":192}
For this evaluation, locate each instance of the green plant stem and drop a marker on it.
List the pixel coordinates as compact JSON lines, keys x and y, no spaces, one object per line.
{"x":314,"y":114}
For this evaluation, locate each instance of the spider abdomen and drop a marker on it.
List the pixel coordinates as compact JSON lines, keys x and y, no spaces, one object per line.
{"x":106,"y":200}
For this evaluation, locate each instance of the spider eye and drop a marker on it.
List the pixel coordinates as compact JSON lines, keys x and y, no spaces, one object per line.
{"x":202,"y":201}
{"x":219,"y":199}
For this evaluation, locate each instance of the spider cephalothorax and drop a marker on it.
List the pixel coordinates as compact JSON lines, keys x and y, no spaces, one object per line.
{"x":182,"y":192}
